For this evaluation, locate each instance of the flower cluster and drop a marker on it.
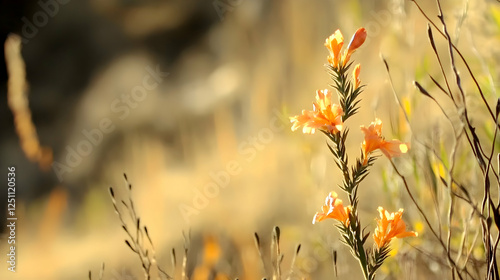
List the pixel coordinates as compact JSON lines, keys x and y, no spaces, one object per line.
{"x":335,"y":42}
{"x":329,"y":118}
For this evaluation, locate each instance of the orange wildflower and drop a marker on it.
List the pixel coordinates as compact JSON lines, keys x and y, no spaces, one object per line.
{"x":335,"y":42}
{"x":355,"y":76}
{"x":390,"y":226}
{"x":325,"y":116}
{"x":333,"y":209}
{"x":356,"y":41}
{"x":374,"y":140}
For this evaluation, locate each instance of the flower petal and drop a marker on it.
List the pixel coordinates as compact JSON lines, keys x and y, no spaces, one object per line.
{"x":333,"y":209}
{"x":325,"y":115}
{"x":374,"y":140}
{"x":334,"y":44}
{"x":355,"y":76}
{"x":357,"y":40}
{"x":389,"y":226}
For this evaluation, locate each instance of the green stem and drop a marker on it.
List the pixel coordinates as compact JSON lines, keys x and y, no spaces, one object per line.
{"x":363,"y":262}
{"x":350,"y":186}
{"x":347,"y":97}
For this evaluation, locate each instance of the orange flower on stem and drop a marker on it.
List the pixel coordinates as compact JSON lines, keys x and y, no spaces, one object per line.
{"x":357,"y":40}
{"x":335,"y":42}
{"x":355,"y":76}
{"x":390,"y":226}
{"x":333,"y":209}
{"x":325,"y":116}
{"x":374,"y":140}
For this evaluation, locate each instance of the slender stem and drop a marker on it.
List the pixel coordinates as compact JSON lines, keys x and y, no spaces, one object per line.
{"x":351,"y":177}
{"x":363,"y":261}
{"x":461,"y":57}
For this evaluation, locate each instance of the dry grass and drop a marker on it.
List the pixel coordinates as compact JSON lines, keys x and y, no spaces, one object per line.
{"x":222,"y":92}
{"x":18,"y":103}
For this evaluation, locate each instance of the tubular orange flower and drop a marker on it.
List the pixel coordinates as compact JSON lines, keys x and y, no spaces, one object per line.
{"x":355,"y":76}
{"x":390,"y":226}
{"x":356,"y":41}
{"x":326,"y":116}
{"x":333,"y":209}
{"x":334,"y":44}
{"x":374,"y":140}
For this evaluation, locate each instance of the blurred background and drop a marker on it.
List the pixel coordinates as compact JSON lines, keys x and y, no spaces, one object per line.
{"x":191,"y":100}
